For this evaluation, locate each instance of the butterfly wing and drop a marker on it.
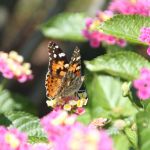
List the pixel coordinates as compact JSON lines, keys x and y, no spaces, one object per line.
{"x":75,"y":63}
{"x":73,"y":79}
{"x":57,"y":68}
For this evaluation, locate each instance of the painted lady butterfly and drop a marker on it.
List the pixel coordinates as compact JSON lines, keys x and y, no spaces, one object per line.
{"x":63,"y":78}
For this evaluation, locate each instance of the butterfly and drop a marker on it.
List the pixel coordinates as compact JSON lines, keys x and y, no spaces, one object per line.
{"x":63,"y":78}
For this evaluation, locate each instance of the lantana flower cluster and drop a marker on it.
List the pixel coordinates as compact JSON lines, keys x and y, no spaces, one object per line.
{"x":64,"y":133}
{"x":96,"y":37}
{"x":13,"y":67}
{"x":12,"y":139}
{"x":67,"y":134}
{"x":142,"y":84}
{"x":130,"y":7}
{"x":70,"y":104}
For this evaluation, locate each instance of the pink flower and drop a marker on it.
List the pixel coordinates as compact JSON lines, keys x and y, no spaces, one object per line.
{"x":140,"y":7}
{"x":148,"y":51}
{"x":57,"y":123}
{"x":143,"y":84}
{"x":145,"y":37}
{"x":95,"y":37}
{"x":7,"y":73}
{"x":80,"y":111}
{"x":121,"y":42}
{"x":41,"y":146}
{"x":12,"y":66}
{"x":88,"y":22}
{"x":81,"y":137}
{"x":12,"y":139}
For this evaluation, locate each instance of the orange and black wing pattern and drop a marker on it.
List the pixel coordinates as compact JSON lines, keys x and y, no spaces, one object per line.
{"x":72,"y":81}
{"x":57,"y":68}
{"x":75,"y":63}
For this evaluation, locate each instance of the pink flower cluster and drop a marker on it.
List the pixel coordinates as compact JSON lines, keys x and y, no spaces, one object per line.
{"x":140,"y":7}
{"x":12,"y":66}
{"x":81,"y":137}
{"x":143,"y":84}
{"x":64,"y":133}
{"x":73,"y":104}
{"x":67,"y":134}
{"x":96,"y":37}
{"x":145,"y":37}
{"x":12,"y":139}
{"x":57,"y":123}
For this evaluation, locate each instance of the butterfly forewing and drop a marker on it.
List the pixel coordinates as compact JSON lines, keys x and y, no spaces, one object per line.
{"x":58,"y":63}
{"x":57,"y":68}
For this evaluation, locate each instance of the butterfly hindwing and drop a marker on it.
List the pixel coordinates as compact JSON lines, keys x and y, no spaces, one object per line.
{"x":72,"y":80}
{"x":75,"y":63}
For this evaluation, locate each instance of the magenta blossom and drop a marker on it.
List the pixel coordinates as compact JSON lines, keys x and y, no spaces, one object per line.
{"x":145,"y":37}
{"x":12,"y":140}
{"x":80,"y":137}
{"x":41,"y":146}
{"x":143,"y":84}
{"x":57,"y":123}
{"x":140,"y":7}
{"x":13,"y":67}
{"x":95,"y":37}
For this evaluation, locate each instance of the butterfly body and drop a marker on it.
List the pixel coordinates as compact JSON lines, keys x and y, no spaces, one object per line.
{"x":63,"y":78}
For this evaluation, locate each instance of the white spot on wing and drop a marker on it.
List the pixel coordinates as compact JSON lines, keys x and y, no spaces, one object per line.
{"x":66,"y":65}
{"x":61,"y":55}
{"x":79,"y":67}
{"x":78,"y":58}
{"x":55,"y":55}
{"x":56,"y":46}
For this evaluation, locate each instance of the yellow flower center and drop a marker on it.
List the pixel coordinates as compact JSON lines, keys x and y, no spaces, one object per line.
{"x":133,"y":1}
{"x":67,"y":107}
{"x":95,"y":25}
{"x":12,"y":140}
{"x":80,"y":103}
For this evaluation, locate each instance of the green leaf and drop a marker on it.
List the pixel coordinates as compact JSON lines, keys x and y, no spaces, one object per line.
{"x":122,"y":64}
{"x":65,"y":26}
{"x":121,"y":142}
{"x":10,"y":101}
{"x":126,"y":26}
{"x":132,"y":136}
{"x":85,"y":118}
{"x":24,"y":122}
{"x":116,"y":48}
{"x":143,"y":126}
{"x":148,"y":107}
{"x":104,"y":99}
{"x":35,"y":139}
